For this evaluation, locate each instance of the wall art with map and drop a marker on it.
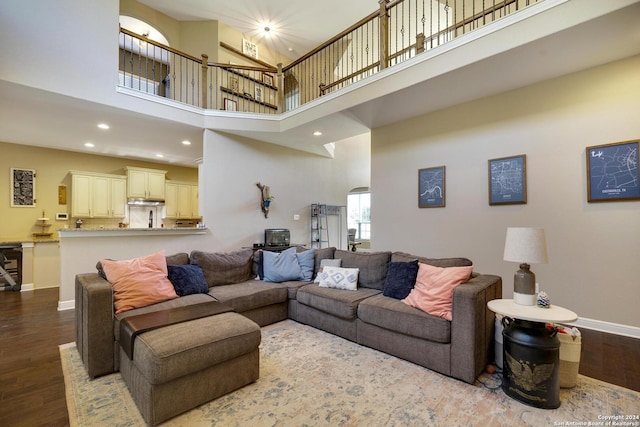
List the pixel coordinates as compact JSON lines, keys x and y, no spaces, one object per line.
{"x":431,"y":187}
{"x":612,"y":172}
{"x":508,"y":180}
{"x":23,"y":187}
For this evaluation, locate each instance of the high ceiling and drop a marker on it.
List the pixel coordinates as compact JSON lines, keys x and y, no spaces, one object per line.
{"x":295,"y":27}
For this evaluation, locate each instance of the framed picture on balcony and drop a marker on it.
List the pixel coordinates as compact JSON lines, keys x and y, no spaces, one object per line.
{"x":431,"y":187}
{"x":230,"y":104}
{"x":258,"y":93}
{"x":234,"y":84}
{"x":508,"y":180}
{"x":612,"y":172}
{"x":267,"y":79}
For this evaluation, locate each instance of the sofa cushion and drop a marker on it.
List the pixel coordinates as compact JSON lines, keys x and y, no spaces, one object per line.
{"x":339,"y":278}
{"x":306,"y":259}
{"x":224,"y":268}
{"x":433,"y":292}
{"x":437,"y":262}
{"x":250,"y":295}
{"x":373,"y":266}
{"x":171,"y":352}
{"x":337,"y":302}
{"x":323,"y":253}
{"x":139,"y":282}
{"x":187,"y":279}
{"x":394,"y":315}
{"x":281,"y":266}
{"x":401,"y":278}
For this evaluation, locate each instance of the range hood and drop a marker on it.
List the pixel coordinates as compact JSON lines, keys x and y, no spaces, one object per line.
{"x":142,"y":202}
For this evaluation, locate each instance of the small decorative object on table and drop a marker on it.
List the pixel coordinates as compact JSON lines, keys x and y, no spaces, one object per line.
{"x":543,"y":300}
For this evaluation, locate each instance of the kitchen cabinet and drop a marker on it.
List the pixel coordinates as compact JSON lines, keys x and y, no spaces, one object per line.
{"x":145,"y":184}
{"x":181,"y":200}
{"x":96,"y":195}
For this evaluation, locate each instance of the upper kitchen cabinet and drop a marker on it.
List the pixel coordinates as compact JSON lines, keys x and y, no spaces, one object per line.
{"x":181,"y":201}
{"x":145,"y":184}
{"x":95,"y":195}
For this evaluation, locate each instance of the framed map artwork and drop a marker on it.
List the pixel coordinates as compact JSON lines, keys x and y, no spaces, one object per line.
{"x":612,"y":172}
{"x":508,"y":180}
{"x":431,"y":187}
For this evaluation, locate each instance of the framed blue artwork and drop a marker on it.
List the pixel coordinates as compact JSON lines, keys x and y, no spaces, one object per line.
{"x":431,"y":187}
{"x":508,"y":180}
{"x":612,"y":172}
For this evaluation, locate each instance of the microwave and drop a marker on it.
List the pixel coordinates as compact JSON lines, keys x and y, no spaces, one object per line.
{"x":277,"y":237}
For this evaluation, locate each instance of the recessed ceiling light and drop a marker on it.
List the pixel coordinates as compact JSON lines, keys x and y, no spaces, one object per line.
{"x":89,"y":144}
{"x":103,"y":126}
{"x":185,"y":142}
{"x":317,"y":133}
{"x":160,"y":155}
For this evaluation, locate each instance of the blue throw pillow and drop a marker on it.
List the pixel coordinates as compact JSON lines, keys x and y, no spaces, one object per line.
{"x":401,"y":278}
{"x":187,"y":279}
{"x":281,"y":267}
{"x":307,"y":262}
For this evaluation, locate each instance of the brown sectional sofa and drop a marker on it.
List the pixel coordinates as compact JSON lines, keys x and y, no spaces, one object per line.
{"x":460,"y":348}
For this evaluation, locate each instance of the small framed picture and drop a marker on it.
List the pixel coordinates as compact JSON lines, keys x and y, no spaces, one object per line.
{"x":234,"y":84}
{"x":249,"y":48}
{"x":431,"y":187}
{"x":267,"y":79}
{"x":508,"y":180}
{"x":23,"y":188}
{"x":230,"y":104}
{"x":258,"y":93}
{"x":612,"y":172}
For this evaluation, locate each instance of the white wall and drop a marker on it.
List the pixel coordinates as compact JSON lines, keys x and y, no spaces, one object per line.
{"x":594,"y":248}
{"x":231,"y":200}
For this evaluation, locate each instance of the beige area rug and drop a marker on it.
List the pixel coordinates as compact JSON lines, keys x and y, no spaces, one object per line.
{"x":312,"y":378}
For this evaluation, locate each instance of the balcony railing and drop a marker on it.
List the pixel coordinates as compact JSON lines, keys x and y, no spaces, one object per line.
{"x":398,"y":31}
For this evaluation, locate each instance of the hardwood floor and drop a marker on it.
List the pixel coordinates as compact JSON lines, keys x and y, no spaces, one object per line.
{"x":32,"y":386}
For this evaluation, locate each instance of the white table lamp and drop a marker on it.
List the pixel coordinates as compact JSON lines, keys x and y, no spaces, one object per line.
{"x":525,"y":245}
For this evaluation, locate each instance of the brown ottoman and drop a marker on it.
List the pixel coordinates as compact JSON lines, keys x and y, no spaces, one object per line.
{"x":178,"y":367}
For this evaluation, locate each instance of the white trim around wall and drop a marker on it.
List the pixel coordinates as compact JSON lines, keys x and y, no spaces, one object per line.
{"x":66,"y":305}
{"x":608,"y":327}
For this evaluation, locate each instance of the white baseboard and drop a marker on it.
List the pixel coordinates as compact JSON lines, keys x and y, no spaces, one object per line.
{"x":25,"y":287}
{"x":66,"y":305}
{"x":611,"y":328}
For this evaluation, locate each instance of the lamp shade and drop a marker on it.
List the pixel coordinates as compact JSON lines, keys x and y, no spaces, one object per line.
{"x":525,"y":245}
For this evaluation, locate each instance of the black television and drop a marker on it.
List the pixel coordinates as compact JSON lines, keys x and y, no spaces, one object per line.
{"x":277,"y":237}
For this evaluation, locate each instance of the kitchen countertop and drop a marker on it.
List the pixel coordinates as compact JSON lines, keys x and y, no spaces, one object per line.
{"x":128,"y":232}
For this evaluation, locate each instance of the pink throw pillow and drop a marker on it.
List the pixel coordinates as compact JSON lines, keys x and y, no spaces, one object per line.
{"x":139,"y":282}
{"x":433,"y":292}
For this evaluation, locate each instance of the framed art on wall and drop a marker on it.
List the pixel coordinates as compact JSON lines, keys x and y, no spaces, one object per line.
{"x":431,"y":187}
{"x":508,"y":180}
{"x":230,"y":104}
{"x":234,"y":84}
{"x":267,"y":79}
{"x":612,"y":172}
{"x":23,"y":188}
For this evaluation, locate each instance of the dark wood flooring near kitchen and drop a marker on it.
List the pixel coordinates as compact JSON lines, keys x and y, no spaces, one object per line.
{"x":32,"y":386}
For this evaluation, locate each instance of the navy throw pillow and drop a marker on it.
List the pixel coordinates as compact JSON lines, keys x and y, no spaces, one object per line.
{"x":401,"y":278}
{"x":187,"y":279}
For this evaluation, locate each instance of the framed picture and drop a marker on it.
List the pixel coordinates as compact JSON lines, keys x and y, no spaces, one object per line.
{"x":230,"y":105}
{"x":234,"y":84}
{"x":249,"y":48}
{"x":267,"y":79}
{"x":23,"y":188}
{"x":258,"y":93}
{"x":431,"y":187}
{"x":612,"y":172}
{"x":508,"y":180}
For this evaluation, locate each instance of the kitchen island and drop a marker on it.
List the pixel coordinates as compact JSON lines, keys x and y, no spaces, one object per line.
{"x":82,"y":248}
